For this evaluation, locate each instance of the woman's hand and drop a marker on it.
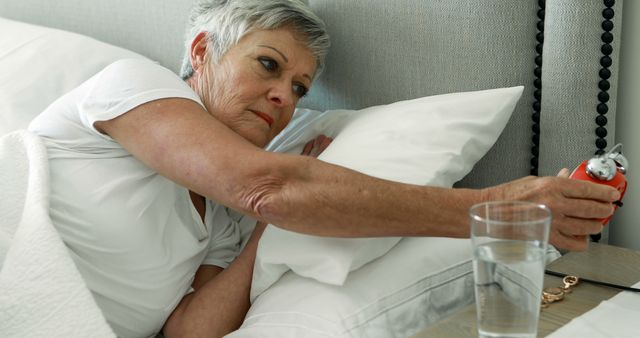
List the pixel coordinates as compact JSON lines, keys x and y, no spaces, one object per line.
{"x":577,"y":207}
{"x":316,"y":146}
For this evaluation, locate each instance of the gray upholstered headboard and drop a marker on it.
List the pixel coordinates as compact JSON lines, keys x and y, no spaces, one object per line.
{"x":384,"y":51}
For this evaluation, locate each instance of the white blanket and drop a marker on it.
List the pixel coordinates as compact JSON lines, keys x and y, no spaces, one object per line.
{"x":41,"y":292}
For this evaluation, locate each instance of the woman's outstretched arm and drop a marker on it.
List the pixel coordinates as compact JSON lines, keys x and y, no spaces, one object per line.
{"x":181,"y":141}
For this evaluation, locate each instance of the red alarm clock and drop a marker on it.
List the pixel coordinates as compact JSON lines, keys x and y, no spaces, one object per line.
{"x":608,"y":169}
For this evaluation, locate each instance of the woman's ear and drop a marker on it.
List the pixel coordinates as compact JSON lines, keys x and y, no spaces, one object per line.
{"x":199,"y":51}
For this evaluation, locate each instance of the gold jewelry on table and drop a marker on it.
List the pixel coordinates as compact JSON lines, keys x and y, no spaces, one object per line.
{"x":556,"y":294}
{"x":551,"y":295}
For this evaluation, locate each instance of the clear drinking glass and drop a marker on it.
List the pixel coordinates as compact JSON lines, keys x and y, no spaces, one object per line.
{"x":509,"y":245}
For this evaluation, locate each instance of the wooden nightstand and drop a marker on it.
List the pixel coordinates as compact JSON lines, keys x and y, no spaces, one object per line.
{"x":601,"y":262}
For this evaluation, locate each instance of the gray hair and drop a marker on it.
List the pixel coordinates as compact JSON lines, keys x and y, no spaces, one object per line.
{"x":227,"y":21}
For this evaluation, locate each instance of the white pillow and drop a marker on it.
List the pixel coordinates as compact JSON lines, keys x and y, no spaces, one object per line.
{"x":411,"y":287}
{"x":419,"y":282}
{"x":432,"y":140}
{"x":39,"y":64}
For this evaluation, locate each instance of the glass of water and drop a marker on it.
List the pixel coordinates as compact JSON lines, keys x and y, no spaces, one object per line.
{"x":509,"y":245}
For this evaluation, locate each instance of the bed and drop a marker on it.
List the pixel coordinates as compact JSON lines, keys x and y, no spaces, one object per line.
{"x":528,"y":82}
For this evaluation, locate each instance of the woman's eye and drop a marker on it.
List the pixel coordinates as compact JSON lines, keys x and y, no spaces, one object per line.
{"x":300,"y":90}
{"x":269,"y":64}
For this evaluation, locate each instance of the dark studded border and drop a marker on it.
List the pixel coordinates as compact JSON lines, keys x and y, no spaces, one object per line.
{"x":537,"y":93}
{"x":603,"y":85}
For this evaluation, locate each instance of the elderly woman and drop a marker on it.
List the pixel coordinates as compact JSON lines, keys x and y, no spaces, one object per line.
{"x":144,"y":165}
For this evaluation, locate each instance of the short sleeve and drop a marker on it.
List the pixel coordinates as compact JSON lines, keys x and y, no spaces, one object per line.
{"x":126,"y":84}
{"x":226,"y":239}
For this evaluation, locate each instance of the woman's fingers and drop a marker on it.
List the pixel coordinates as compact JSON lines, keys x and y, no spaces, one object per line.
{"x":584,"y":208}
{"x":578,"y":207}
{"x":307,"y":148}
{"x":564,"y":172}
{"x":316,"y":146}
{"x":589,"y":190}
{"x":322,"y":142}
{"x":568,"y":242}
{"x":572,"y":226}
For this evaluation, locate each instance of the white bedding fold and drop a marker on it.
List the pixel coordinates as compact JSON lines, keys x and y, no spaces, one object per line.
{"x":41,"y":292}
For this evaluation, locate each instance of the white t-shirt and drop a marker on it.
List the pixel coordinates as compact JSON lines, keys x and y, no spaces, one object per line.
{"x":134,"y":235}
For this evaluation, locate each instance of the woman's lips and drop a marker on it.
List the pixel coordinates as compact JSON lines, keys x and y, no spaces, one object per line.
{"x":265,"y":117}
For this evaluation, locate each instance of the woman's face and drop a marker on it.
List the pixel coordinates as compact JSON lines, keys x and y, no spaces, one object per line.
{"x":256,"y":85}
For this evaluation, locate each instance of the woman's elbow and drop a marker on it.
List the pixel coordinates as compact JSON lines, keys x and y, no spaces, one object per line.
{"x":269,"y":198}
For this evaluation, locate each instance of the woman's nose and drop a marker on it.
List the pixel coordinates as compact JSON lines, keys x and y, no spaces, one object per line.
{"x":281,"y":95}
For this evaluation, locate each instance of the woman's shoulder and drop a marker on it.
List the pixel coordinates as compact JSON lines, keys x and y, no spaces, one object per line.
{"x":127,"y":79}
{"x":137,"y":67}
